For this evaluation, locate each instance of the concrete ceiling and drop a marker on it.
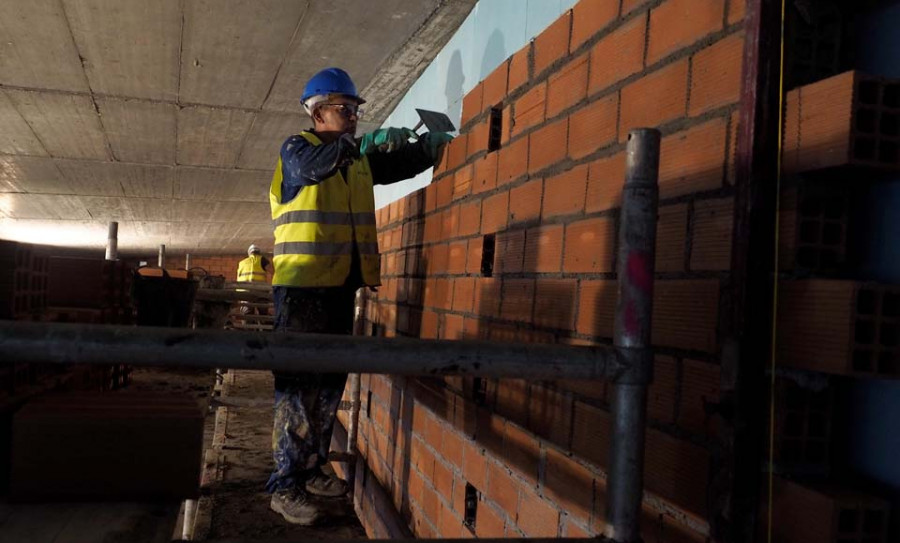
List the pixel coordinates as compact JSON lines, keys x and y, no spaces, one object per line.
{"x":167,"y":115}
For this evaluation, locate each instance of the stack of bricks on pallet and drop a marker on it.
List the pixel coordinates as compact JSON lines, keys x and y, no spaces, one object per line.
{"x":847,"y":120}
{"x":803,"y":427}
{"x":23,"y":280}
{"x":813,"y":228}
{"x":89,"y":290}
{"x":107,"y":446}
{"x":76,"y":282}
{"x":822,"y":514}
{"x":117,"y":279}
{"x":839,"y":327}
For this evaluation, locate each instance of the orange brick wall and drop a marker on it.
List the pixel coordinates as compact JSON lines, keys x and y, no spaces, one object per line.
{"x":537,"y":452}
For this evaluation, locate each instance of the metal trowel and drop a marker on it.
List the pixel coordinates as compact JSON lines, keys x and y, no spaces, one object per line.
{"x":434,"y":121}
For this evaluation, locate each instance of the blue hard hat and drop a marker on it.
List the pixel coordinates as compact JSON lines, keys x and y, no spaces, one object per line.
{"x":331,"y":81}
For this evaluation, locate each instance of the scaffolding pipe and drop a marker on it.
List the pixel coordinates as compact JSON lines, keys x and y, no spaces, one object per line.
{"x":359,"y":318}
{"x":222,"y":295}
{"x":162,"y":256}
{"x":352,"y":429}
{"x":248,"y":286}
{"x":435,"y":540}
{"x":631,"y":337}
{"x":64,"y":343}
{"x":187,"y":521}
{"x":112,"y":241}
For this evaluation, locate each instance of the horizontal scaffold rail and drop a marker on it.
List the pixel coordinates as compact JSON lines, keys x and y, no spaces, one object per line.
{"x":437,"y":540}
{"x":224,"y":295}
{"x":151,"y":346}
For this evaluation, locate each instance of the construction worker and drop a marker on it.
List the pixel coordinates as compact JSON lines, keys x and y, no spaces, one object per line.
{"x":253,"y":268}
{"x":326,"y":248}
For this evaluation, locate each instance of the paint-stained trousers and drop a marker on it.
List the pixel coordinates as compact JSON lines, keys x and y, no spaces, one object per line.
{"x":306,"y":403}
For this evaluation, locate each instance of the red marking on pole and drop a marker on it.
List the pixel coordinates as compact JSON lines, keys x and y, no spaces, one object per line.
{"x":639,"y":277}
{"x":639,"y":271}
{"x":632,"y":326}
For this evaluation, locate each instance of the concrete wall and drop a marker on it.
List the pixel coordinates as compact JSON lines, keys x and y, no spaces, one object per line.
{"x":493,"y":30}
{"x":534,"y":452}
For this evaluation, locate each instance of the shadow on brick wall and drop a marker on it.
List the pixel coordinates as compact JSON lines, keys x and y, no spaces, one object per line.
{"x":410,"y":298}
{"x":552,"y":280}
{"x":411,"y":284}
{"x":401,"y":410}
{"x":514,"y":305}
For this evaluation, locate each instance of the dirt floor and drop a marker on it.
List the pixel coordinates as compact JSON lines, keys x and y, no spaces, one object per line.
{"x":238,"y":464}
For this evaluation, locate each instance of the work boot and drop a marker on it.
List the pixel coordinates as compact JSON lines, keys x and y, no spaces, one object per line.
{"x":322,"y":484}
{"x":295,"y":506}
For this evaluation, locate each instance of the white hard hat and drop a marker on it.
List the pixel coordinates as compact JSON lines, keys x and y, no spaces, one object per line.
{"x":252,"y":249}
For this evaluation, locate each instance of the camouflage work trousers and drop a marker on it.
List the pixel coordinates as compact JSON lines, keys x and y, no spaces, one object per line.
{"x":306,"y":403}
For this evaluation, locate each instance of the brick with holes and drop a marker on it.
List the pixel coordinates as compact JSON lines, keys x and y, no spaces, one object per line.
{"x":839,"y":327}
{"x":848,"y":119}
{"x":813,"y":224}
{"x":827,"y":513}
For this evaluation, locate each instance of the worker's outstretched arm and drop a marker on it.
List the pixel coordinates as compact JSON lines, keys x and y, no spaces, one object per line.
{"x":304,"y":164}
{"x":407,"y":160}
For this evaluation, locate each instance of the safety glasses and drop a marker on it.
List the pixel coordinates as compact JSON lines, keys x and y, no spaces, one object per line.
{"x":347,"y":110}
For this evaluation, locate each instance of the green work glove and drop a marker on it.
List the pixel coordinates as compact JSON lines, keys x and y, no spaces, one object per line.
{"x":385,"y":140}
{"x":434,"y":141}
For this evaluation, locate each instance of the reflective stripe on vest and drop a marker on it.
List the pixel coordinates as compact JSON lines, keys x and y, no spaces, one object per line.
{"x":315,"y":231}
{"x":250,"y":270}
{"x":323,"y":248}
{"x":326,"y":217}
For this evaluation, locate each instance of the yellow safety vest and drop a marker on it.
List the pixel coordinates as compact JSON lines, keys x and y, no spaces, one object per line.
{"x":250,"y":270}
{"x":315,"y":231}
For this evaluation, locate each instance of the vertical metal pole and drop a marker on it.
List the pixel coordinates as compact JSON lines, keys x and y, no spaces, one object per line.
{"x":354,"y":412}
{"x":746,"y":326}
{"x":190,"y":515}
{"x":635,"y":267}
{"x":187,"y":261}
{"x":162,"y":256}
{"x":353,"y":427}
{"x":359,"y":319}
{"x":112,"y":241}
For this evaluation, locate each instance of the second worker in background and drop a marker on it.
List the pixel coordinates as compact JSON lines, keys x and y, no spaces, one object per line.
{"x":326,"y":247}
